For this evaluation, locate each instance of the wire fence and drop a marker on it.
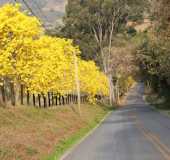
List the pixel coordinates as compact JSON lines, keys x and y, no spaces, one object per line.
{"x":21,"y":96}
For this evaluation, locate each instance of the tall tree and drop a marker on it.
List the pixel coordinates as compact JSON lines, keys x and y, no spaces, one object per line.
{"x":154,"y":52}
{"x":94,"y":23}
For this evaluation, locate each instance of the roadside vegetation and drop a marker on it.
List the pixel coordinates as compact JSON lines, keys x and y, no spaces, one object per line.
{"x":30,"y":133}
{"x":92,"y":58}
{"x":159,"y":100}
{"x":153,"y":55}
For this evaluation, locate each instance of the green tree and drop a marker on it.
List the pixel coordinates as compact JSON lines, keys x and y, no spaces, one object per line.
{"x":93,"y":24}
{"x":154,"y":52}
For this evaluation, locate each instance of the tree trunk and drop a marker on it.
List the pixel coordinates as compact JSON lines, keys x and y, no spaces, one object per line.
{"x":13,"y":98}
{"x":17,"y":89}
{"x":111,"y":90}
{"x":117,"y":93}
{"x":77,"y":81}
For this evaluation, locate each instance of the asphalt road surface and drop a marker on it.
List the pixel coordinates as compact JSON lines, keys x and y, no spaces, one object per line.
{"x":135,"y":132}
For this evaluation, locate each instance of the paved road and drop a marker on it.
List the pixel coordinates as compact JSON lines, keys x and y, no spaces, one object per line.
{"x":135,"y":132}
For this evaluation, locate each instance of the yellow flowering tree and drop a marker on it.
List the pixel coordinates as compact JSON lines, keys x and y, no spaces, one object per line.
{"x":16,"y":30}
{"x":42,"y":63}
{"x":92,"y":81}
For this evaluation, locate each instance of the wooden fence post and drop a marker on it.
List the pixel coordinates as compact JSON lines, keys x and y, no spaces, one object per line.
{"x":49,"y":100}
{"x":45,"y":101}
{"x":81,"y":100}
{"x":3,"y":94}
{"x":73,"y":98}
{"x":66,"y":98}
{"x":70,"y":99}
{"x":22,"y":94}
{"x":13,"y":99}
{"x":63,"y":100}
{"x":39,"y":100}
{"x":77,"y":99}
{"x":28,"y":98}
{"x":52,"y":96}
{"x":60,"y":100}
{"x":56,"y":100}
{"x":33,"y":98}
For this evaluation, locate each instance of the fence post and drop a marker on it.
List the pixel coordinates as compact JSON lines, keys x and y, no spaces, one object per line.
{"x":45,"y":101}
{"x":76,"y":99}
{"x":13,"y":102}
{"x":22,"y":94}
{"x":3,"y":94}
{"x":63,"y":100}
{"x":28,"y":98}
{"x":68,"y":99}
{"x":49,"y":101}
{"x":33,"y":98}
{"x":83,"y":99}
{"x":71,"y":98}
{"x":52,"y":96}
{"x":39,"y":100}
{"x":65,"y":97}
{"x":56,"y":100}
{"x":60,"y":100}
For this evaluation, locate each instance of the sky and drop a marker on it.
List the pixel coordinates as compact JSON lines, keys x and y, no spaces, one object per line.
{"x":49,"y":11}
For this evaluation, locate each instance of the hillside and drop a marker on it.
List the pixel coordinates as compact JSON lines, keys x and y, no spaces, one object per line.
{"x":50,"y":11}
{"x":28,"y":133}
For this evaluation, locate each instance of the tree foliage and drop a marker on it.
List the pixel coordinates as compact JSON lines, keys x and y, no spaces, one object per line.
{"x":42,"y":63}
{"x":154,"y":52}
{"x":82,"y":17}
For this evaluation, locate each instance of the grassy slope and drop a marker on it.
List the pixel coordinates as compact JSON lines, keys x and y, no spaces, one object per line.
{"x":30,"y":133}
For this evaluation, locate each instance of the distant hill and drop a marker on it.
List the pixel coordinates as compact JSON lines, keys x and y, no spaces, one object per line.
{"x":50,"y":11}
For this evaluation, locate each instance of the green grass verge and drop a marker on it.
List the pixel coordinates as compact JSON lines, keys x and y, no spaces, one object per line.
{"x":66,"y":144}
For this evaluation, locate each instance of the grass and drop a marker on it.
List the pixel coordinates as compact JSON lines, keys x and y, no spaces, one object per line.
{"x":65,"y":144}
{"x":36,"y":134}
{"x":31,"y":151}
